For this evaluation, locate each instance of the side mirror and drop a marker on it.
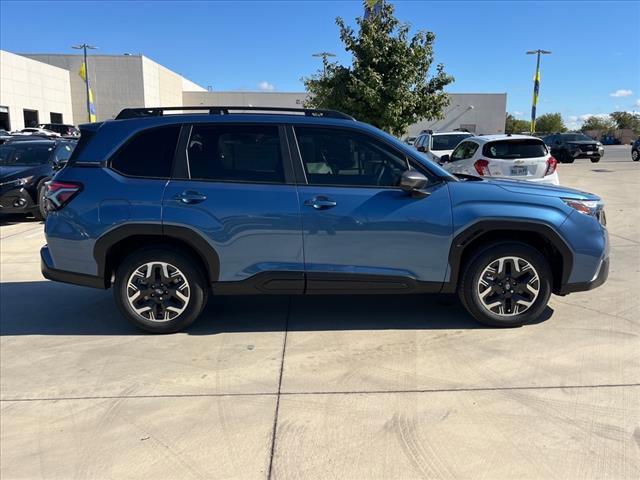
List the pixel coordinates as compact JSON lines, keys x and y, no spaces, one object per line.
{"x":445,"y":159}
{"x":412,"y":181}
{"x":421,"y":149}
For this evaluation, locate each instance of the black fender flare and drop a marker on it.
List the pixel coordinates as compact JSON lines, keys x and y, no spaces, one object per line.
{"x":482,"y":227}
{"x":163,"y":232}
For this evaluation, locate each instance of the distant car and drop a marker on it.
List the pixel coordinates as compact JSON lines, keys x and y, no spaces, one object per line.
{"x":409,"y":140}
{"x":518,"y":157}
{"x":635,"y":150}
{"x":25,"y":167}
{"x":566,"y":147}
{"x":436,"y":144}
{"x":36,"y":131}
{"x":61,"y":129}
{"x":4,"y":136}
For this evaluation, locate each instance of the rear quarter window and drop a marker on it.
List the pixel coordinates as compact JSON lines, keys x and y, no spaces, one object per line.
{"x":512,"y":149}
{"x":148,"y":154}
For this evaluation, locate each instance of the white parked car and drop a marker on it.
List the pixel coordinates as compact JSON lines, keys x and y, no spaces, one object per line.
{"x":36,"y":131}
{"x":516,"y":157}
{"x":435,"y":144}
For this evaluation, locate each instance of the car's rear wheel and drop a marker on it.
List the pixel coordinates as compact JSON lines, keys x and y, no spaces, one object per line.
{"x":635,"y":155}
{"x":160,"y":291}
{"x":506,"y":285}
{"x":567,"y":158}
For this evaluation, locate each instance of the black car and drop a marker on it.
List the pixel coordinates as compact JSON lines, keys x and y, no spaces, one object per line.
{"x":566,"y":147}
{"x":635,"y":150}
{"x":25,"y":166}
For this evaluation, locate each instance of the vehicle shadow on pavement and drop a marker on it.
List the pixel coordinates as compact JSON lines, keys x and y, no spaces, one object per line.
{"x":12,"y":219}
{"x":50,"y":308}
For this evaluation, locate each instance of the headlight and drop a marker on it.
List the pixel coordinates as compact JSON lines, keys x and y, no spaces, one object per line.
{"x":588,"y":207}
{"x":18,"y":182}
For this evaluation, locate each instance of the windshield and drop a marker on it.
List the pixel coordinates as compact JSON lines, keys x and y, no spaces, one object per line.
{"x":576,"y":137}
{"x":24,"y":154}
{"x":509,"y":149}
{"x":448,"y":142}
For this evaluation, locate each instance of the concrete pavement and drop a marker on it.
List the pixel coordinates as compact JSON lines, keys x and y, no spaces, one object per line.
{"x":325,"y":387}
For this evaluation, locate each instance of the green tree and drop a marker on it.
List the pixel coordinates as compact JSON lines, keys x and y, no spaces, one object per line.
{"x":627,"y":120}
{"x":550,"y":123}
{"x":514,"y":125}
{"x":604,"y":124}
{"x":387,"y":83}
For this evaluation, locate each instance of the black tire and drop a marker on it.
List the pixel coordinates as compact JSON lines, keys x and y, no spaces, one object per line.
{"x":197,"y":289}
{"x":40,"y":213}
{"x":473,"y":269}
{"x":566,"y":158}
{"x":595,"y":159}
{"x":635,"y":155}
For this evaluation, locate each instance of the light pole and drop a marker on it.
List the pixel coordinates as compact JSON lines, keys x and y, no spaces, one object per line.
{"x":84,"y":48}
{"x":324,"y":56}
{"x":536,"y":86}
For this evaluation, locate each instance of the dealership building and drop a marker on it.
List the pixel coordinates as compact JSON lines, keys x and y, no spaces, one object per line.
{"x":47,"y":88}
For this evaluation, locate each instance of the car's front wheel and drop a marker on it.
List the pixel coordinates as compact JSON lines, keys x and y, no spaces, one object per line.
{"x":506,"y":285}
{"x":595,"y":159}
{"x":635,"y":155}
{"x":160,"y":291}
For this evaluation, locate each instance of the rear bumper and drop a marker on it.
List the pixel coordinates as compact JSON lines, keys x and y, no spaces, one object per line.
{"x":64,"y":276}
{"x":600,"y":277}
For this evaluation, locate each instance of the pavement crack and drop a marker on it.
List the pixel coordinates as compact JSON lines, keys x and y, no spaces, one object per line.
{"x":275,"y":417}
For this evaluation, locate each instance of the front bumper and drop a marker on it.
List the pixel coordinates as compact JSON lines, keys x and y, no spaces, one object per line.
{"x":600,"y":277}
{"x":64,"y":276}
{"x":17,"y":200}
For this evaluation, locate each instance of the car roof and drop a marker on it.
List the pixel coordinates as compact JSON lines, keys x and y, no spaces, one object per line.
{"x":452,"y":133}
{"x":503,"y":136}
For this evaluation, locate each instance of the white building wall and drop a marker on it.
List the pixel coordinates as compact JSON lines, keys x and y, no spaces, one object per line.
{"x":482,"y":113}
{"x":32,"y":85}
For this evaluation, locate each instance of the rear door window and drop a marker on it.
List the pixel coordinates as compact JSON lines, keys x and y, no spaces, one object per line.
{"x":515,"y":149}
{"x":464,"y":150}
{"x":148,"y":154}
{"x":235,"y":153}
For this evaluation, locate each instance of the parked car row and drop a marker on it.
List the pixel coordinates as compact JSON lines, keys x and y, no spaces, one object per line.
{"x":47,"y":130}
{"x":168,"y":209}
{"x":26,"y":165}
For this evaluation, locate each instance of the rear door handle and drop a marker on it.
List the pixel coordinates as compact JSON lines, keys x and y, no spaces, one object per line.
{"x":320,"y":203}
{"x":190,"y":197}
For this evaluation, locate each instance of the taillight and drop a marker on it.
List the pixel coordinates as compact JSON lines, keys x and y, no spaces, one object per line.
{"x":482,"y":167}
{"x":61,"y":193}
{"x":552,"y":164}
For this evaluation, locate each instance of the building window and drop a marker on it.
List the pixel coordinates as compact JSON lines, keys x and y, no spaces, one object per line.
{"x":55,"y":117}
{"x":5,"y":124}
{"x":30,"y":118}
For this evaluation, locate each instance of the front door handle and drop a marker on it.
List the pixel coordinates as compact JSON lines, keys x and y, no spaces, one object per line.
{"x":190,"y":197}
{"x":320,"y":203}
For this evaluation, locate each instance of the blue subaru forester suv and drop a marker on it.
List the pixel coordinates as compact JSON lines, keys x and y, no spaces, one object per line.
{"x":168,"y":207}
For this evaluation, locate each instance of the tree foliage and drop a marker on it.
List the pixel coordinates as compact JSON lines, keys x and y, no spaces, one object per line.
{"x":627,"y":120}
{"x":388,"y":83}
{"x":550,"y":123}
{"x":515,"y":125}
{"x":603,"y":124}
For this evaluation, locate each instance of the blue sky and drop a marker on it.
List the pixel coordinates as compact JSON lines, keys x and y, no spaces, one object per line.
{"x":594,"y":68}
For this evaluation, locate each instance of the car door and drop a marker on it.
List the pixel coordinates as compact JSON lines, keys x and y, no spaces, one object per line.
{"x":360,"y":231}
{"x":233,"y":186}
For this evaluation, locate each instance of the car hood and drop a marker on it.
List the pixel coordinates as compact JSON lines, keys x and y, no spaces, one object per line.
{"x":17,"y":171}
{"x":530,"y":188}
{"x":439,"y":153}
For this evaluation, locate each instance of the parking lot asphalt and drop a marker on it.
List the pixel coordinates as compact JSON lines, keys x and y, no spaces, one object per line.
{"x":325,"y":387}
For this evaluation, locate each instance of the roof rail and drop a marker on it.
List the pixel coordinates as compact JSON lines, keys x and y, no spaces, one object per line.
{"x":227,"y":110}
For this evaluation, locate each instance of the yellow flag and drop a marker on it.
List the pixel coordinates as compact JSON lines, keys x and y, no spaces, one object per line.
{"x":83,"y":72}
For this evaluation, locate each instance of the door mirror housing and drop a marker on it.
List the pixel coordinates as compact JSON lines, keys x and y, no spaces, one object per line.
{"x":413,"y":181}
{"x":445,"y":159}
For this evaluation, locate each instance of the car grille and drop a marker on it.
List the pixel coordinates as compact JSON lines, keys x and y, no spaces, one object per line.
{"x":588,"y":148}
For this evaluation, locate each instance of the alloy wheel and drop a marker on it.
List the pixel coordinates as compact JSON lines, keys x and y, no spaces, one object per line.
{"x":508,"y":286}
{"x":158,"y":291}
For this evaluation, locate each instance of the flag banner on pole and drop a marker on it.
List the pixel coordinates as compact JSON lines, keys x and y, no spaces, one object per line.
{"x":85,"y":77}
{"x":536,"y":91}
